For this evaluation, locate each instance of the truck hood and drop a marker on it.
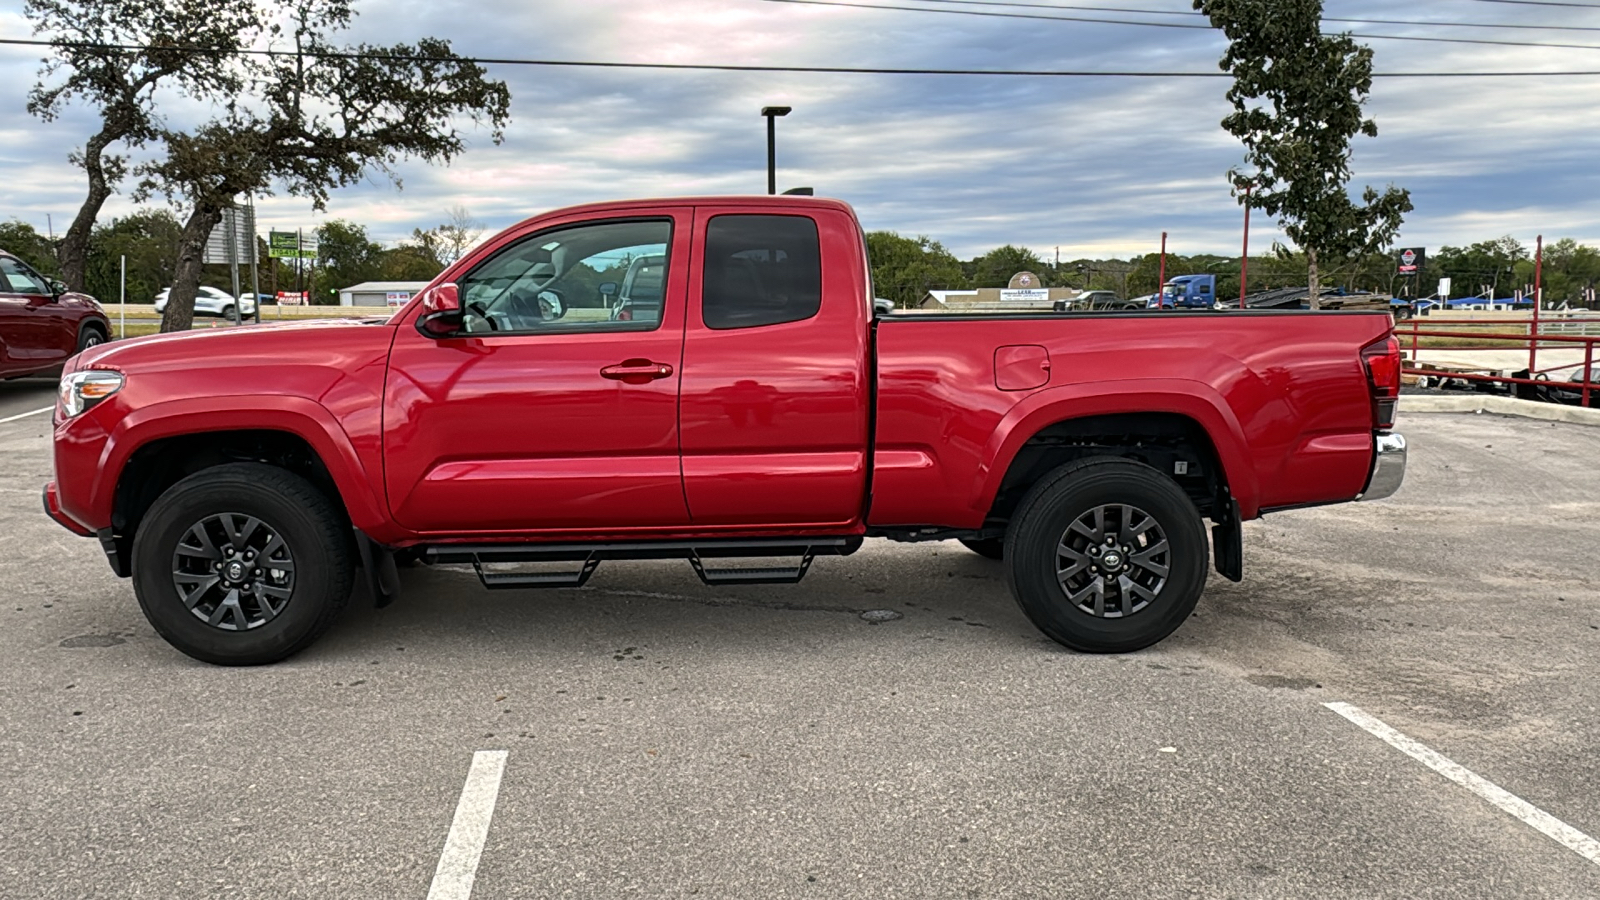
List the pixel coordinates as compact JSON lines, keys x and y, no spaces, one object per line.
{"x":247,"y":346}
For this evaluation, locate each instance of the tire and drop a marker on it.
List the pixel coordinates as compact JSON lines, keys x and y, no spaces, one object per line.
{"x":90,"y":336}
{"x":1140,"y":607}
{"x":228,"y":314}
{"x":243,"y":623}
{"x":988,"y":548}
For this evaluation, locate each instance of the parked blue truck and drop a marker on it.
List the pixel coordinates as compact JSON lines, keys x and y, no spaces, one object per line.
{"x":1187,"y":292}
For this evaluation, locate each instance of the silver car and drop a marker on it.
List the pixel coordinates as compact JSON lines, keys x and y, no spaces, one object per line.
{"x":213,"y":302}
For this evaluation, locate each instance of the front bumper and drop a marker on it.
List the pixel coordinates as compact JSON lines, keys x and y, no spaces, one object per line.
{"x":52,"y":508}
{"x":1388,"y":466}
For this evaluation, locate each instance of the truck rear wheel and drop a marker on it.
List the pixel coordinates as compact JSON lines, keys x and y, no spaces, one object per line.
{"x":1107,"y":555}
{"x":242,"y":564}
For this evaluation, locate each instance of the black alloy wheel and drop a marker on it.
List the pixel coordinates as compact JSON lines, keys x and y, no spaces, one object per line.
{"x":243,"y":564}
{"x":233,"y":571}
{"x":1113,"y":561}
{"x":1107,"y":555}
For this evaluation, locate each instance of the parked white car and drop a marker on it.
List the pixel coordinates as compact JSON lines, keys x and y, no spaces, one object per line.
{"x":213,"y":302}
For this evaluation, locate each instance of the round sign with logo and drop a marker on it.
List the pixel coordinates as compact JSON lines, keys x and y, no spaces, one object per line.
{"x":1409,"y":257}
{"x":1023,"y":281}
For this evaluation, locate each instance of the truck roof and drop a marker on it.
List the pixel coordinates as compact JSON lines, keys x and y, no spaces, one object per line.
{"x":764,"y":201}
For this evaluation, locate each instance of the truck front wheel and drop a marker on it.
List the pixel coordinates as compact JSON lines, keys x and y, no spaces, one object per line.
{"x":1107,"y":555}
{"x":242,"y":564}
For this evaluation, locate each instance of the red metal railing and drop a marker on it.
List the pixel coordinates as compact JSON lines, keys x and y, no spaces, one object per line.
{"x":1412,"y":330}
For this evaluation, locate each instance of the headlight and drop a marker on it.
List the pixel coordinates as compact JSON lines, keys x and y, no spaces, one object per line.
{"x":81,"y":390}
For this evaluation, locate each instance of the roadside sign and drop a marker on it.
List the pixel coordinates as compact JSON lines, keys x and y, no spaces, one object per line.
{"x":291,"y":245}
{"x":1041,"y":295}
{"x":238,"y":229}
{"x":290,"y":298}
{"x":1412,"y":260}
{"x":399,"y":298}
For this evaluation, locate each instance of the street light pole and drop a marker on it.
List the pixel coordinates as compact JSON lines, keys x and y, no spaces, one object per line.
{"x":773,"y":113}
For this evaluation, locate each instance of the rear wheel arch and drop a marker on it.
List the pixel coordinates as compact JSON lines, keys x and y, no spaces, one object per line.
{"x":1165,"y":441}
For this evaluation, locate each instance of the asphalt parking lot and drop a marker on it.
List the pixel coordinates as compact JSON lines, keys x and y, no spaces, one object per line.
{"x":663,"y":739}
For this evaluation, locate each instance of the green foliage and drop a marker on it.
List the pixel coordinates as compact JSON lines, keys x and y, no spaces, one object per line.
{"x":995,"y":268}
{"x":906,"y":269}
{"x":22,"y":240}
{"x":346,"y":256}
{"x":150,"y":242}
{"x":1491,"y":264}
{"x":1297,"y":101}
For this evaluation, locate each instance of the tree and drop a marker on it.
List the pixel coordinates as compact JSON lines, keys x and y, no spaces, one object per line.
{"x":149,"y":240}
{"x":458,"y":234}
{"x":314,"y":119}
{"x":1297,"y":103}
{"x":346,"y":255}
{"x":20,"y":238}
{"x":114,"y":55}
{"x":995,"y":268}
{"x":1486,"y":265}
{"x":906,"y":269}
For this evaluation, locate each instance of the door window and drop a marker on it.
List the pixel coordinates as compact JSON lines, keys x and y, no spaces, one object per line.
{"x":23,"y":280}
{"x":568,"y":280}
{"x":761,"y":270}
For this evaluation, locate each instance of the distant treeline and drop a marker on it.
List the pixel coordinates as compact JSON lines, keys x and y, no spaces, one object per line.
{"x":904,"y":269}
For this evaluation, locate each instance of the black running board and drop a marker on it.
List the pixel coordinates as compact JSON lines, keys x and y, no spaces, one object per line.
{"x":587,"y":558}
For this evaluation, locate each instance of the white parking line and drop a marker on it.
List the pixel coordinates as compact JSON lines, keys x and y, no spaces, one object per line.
{"x":458,"y":865}
{"x":25,"y":415}
{"x":1550,"y":826}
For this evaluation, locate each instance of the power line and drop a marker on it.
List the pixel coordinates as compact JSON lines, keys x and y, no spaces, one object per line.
{"x":1542,"y":3}
{"x":1191,"y":14}
{"x":1004,"y":15}
{"x":714,"y":67}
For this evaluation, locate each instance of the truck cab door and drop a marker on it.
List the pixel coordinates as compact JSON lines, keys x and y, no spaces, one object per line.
{"x":776,"y":384}
{"x":546,"y":413}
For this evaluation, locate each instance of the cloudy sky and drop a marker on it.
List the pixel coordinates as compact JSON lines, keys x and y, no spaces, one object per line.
{"x":1094,"y":166}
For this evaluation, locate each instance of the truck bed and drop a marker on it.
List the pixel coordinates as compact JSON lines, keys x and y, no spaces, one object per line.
{"x":1283,"y":396}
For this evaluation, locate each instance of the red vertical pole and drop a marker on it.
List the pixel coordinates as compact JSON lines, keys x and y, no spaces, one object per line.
{"x":1588,"y":370}
{"x":1244,"y":260}
{"x":1161,"y":290}
{"x":1538,"y":270}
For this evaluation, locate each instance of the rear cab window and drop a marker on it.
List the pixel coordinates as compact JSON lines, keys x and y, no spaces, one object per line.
{"x":761,"y":270}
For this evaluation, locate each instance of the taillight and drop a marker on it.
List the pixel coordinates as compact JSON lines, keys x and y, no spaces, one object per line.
{"x":1382,"y":359}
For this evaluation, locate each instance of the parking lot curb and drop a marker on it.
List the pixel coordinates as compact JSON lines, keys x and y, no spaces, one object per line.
{"x":1505,"y":406}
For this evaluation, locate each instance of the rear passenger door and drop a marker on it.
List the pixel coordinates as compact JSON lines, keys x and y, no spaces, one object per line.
{"x":775,"y":394}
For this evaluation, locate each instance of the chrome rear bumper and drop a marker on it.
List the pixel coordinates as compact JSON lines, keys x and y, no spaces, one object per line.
{"x":1388,"y":467}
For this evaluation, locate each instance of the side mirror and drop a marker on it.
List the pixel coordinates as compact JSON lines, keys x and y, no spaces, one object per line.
{"x":882,"y":307}
{"x":608,"y":289}
{"x":441,"y":311}
{"x":57,"y":286}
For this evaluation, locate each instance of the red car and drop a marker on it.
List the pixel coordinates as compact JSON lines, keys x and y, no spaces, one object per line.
{"x":243,"y":477}
{"x":42,"y":323}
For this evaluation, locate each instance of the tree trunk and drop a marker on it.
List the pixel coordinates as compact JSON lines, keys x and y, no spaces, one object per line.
{"x":1314,"y":290}
{"x":179,"y":315}
{"x":73,"y":252}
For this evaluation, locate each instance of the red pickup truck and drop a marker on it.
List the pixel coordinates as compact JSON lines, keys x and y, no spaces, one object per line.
{"x":751,"y":404}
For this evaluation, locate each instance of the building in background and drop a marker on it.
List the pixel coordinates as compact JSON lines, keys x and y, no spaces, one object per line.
{"x":380,"y":293}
